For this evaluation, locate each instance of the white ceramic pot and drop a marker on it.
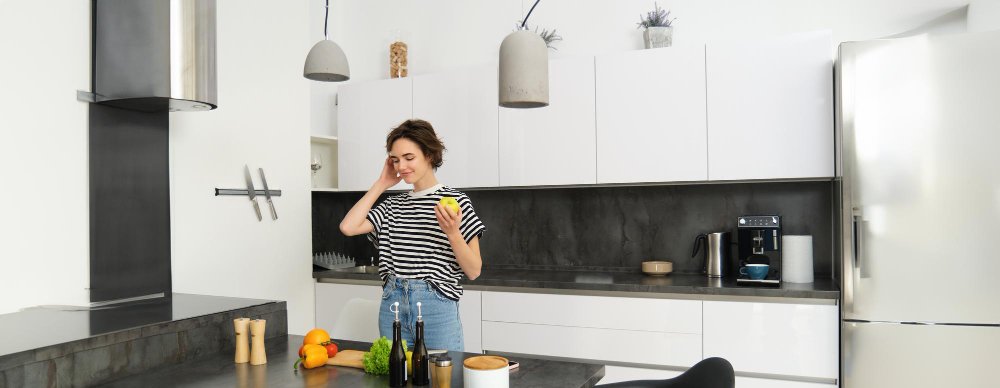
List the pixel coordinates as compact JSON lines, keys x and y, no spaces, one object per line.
{"x":656,"y":37}
{"x":486,"y":372}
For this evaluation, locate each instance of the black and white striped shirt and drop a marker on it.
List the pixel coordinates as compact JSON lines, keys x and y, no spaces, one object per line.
{"x":411,"y":244}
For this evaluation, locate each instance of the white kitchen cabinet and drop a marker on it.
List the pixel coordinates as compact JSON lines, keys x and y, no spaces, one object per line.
{"x":641,"y":314}
{"x":470,"y":309}
{"x":554,"y":145}
{"x":363,"y":302}
{"x":632,"y":346}
{"x":462,"y":106}
{"x":615,"y":374}
{"x":651,"y":116}
{"x":775,"y":338}
{"x":663,"y":332}
{"x":770,"y":108}
{"x":331,"y":300}
{"x":752,"y":382}
{"x":367,"y":112}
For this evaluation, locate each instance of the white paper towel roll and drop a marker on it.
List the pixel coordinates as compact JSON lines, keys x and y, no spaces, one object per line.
{"x":797,"y":259}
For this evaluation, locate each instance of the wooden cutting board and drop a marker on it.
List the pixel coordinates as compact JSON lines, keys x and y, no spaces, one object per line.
{"x":348,"y":358}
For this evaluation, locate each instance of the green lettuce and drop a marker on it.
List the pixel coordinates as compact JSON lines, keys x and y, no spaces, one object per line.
{"x":376,"y":360}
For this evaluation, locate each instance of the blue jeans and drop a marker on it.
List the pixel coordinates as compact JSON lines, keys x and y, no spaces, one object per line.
{"x":442,"y":323}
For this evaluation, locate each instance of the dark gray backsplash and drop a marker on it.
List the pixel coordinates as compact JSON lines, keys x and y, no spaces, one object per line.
{"x":612,"y":226}
{"x":129,"y":203}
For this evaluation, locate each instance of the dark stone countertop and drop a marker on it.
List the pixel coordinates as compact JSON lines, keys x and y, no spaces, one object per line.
{"x":218,"y":370}
{"x":44,"y":326}
{"x":614,"y":282}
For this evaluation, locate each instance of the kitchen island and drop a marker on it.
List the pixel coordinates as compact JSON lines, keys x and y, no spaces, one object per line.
{"x":219,"y":370}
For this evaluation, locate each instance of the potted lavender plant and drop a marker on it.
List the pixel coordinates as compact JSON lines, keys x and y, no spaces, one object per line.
{"x":658,"y":25}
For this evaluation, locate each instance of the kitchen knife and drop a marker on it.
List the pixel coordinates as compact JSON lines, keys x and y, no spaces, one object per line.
{"x":267,"y":194}
{"x":250,"y":191}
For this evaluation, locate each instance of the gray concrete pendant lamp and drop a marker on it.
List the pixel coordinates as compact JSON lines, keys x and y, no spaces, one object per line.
{"x":326,"y":60}
{"x":524,"y":69}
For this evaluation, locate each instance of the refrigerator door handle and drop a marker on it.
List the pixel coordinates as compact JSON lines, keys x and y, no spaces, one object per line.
{"x":858,"y":232}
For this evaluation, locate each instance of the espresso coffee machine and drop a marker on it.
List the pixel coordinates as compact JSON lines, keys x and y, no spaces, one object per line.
{"x":759,"y":243}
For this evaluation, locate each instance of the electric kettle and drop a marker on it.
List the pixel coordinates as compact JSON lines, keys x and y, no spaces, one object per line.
{"x":716,"y":253}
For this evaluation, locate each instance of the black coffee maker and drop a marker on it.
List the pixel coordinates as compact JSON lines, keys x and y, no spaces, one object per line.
{"x":759,"y":243}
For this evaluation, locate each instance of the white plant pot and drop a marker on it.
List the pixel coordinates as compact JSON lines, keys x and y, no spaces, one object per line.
{"x":656,"y":37}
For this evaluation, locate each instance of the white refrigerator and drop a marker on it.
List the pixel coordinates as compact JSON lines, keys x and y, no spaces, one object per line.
{"x":918,"y":127}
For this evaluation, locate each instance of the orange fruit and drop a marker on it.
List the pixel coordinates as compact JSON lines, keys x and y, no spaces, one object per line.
{"x":316,"y":336}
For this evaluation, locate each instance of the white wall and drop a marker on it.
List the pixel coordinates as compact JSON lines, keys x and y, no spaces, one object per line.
{"x":219,"y":247}
{"x":443,"y":34}
{"x":44,"y":196}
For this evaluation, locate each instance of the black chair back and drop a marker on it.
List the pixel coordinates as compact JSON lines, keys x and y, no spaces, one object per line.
{"x":711,"y":372}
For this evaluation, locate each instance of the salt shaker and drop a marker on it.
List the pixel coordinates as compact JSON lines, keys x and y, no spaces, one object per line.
{"x":257,"y":356}
{"x":242,"y":327}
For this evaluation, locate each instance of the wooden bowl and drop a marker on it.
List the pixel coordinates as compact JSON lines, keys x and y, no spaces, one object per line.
{"x":657,"y":268}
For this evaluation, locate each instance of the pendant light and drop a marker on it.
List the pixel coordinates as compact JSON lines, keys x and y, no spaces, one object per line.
{"x":326,"y":60}
{"x":524,"y":69}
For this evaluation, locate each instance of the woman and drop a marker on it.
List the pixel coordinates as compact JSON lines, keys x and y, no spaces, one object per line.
{"x":424,"y":248}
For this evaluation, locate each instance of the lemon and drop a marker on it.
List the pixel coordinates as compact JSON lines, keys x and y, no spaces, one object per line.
{"x":450,"y":202}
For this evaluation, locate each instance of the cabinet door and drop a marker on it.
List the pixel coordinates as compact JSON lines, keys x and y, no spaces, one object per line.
{"x":553,"y":145}
{"x":462,"y":107}
{"x":770,"y":108}
{"x":367,"y":112}
{"x":782,"y":339}
{"x":651,"y":116}
{"x":359,"y":322}
{"x":470,"y":309}
{"x":626,"y":346}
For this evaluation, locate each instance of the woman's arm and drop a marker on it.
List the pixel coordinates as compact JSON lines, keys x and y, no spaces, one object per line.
{"x":467,"y":254}
{"x":356,"y":222}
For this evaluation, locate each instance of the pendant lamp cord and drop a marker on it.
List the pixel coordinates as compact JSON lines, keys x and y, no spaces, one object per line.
{"x":326,"y":20}
{"x":525,"y":22}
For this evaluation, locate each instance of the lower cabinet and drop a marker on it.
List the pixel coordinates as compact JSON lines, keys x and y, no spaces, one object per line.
{"x":350,"y":312}
{"x":751,"y":382}
{"x":614,"y":374}
{"x":800,"y":340}
{"x":782,"y":345}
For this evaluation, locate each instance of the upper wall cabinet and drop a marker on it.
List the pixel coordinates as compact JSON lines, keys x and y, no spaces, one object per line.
{"x":367,"y":112}
{"x":553,"y":145}
{"x":462,"y":106}
{"x":651,"y":116}
{"x":770,"y":108}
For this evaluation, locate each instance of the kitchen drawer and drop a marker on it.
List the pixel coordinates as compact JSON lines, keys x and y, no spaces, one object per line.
{"x":774,"y":338}
{"x":668,"y":349}
{"x":660,"y":315}
{"x":615,"y":374}
{"x":749,"y":382}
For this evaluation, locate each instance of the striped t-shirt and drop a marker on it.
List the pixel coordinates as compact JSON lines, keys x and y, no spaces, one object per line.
{"x":411,"y":244}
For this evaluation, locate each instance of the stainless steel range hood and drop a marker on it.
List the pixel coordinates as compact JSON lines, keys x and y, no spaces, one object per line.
{"x":154,"y":55}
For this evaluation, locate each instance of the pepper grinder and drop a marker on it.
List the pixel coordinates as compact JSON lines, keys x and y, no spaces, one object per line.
{"x":242,"y":326}
{"x":257,"y":356}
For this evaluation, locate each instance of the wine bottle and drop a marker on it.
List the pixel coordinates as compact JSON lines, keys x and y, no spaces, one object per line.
{"x":421,"y":368}
{"x":397,"y":355}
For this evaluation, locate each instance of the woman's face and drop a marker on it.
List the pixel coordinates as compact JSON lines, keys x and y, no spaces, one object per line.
{"x":409,"y":160}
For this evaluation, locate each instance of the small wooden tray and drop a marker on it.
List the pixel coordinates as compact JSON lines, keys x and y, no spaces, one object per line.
{"x":348,"y":358}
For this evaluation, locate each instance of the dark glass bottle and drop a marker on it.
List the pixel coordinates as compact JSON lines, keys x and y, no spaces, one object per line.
{"x":421,"y":368}
{"x":397,"y":355}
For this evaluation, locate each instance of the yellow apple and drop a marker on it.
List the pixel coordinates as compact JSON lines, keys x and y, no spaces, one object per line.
{"x":450,"y":203}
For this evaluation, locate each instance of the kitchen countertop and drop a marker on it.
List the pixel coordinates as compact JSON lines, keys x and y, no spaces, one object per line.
{"x":219,"y":370}
{"x":614,"y":282}
{"x":45,"y":326}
